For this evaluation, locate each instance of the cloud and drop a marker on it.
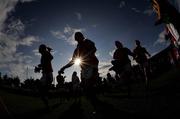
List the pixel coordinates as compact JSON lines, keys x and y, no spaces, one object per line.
{"x":112,"y":52}
{"x":58,"y":34}
{"x":122,"y":4}
{"x":135,"y":10}
{"x":12,"y":36}
{"x":154,"y":53}
{"x":78,"y":15}
{"x":104,"y":68}
{"x":26,"y":0}
{"x":36,"y":52}
{"x":161,"y":38}
{"x":133,"y":62}
{"x":28,"y":40}
{"x":15,"y":27}
{"x":97,"y":54}
{"x":9,"y":54}
{"x":20,"y":69}
{"x":9,"y":45}
{"x":6,"y":6}
{"x":178,"y":4}
{"x":149,"y":12}
{"x":67,"y":34}
{"x":94,"y":25}
{"x":14,"y":61}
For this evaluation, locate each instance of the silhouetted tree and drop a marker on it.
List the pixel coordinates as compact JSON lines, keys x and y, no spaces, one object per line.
{"x":16,"y":81}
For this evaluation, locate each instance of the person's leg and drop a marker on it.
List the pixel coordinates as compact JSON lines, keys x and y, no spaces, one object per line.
{"x":90,"y":85}
{"x":45,"y":84}
{"x":128,"y":77}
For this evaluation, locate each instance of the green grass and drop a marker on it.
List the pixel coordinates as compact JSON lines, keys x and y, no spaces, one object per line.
{"x":161,"y":101}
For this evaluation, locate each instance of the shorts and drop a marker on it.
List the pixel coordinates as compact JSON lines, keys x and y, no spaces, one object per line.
{"x":89,"y":75}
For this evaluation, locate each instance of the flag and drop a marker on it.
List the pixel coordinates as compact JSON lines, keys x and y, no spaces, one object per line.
{"x":168,"y":14}
{"x":156,"y":8}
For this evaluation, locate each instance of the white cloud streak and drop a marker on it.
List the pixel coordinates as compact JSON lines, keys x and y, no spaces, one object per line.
{"x":135,"y":10}
{"x":28,"y":40}
{"x":36,"y":52}
{"x":67,"y":34}
{"x":78,"y":15}
{"x":122,"y":4}
{"x":149,"y":12}
{"x":15,"y":28}
{"x":94,"y":25}
{"x":112,"y":52}
{"x":161,"y":38}
{"x":104,"y":68}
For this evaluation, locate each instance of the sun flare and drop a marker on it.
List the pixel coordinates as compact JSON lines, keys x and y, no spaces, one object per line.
{"x":77,"y":61}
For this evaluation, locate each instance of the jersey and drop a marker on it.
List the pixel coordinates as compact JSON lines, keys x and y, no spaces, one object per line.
{"x":86,"y":51}
{"x":121,"y":55}
{"x":46,"y":62}
{"x":140,"y":54}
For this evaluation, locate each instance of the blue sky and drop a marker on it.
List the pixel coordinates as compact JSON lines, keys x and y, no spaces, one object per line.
{"x":25,"y":24}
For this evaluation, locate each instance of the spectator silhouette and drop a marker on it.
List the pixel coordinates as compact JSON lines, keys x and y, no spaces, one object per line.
{"x":47,"y":76}
{"x":85,"y":50}
{"x":60,"y":79}
{"x":75,"y":84}
{"x":110,"y":80}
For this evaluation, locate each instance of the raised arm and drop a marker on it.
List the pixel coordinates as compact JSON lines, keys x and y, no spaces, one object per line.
{"x":70,"y":62}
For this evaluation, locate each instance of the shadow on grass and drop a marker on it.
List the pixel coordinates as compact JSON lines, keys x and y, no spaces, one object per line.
{"x":75,"y":111}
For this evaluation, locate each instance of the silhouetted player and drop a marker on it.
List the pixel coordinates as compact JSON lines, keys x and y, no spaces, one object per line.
{"x":122,"y":65}
{"x":85,"y":50}
{"x":121,"y":62}
{"x":47,"y":75}
{"x":140,"y":55}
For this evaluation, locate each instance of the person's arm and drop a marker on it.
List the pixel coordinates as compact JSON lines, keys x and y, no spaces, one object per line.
{"x":67,"y":65}
{"x":130,"y":53}
{"x":50,"y":56}
{"x":147,"y":52}
{"x":115,"y":55}
{"x":70,"y":63}
{"x":135,"y":54}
